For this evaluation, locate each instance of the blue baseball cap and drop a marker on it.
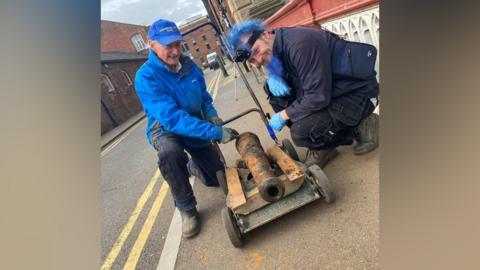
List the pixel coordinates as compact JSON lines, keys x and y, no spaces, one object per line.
{"x":164,"y":32}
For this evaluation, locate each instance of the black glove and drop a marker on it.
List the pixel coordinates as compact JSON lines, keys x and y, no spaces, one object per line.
{"x":228,"y":134}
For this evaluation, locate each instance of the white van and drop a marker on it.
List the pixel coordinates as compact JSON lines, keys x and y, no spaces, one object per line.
{"x":212,"y":60}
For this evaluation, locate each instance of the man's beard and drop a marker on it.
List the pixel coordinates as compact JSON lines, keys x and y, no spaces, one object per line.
{"x":275,"y":66}
{"x":275,"y":69}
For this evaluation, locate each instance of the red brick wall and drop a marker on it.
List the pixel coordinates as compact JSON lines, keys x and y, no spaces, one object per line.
{"x":123,"y":102}
{"x":300,"y":12}
{"x":116,"y":37}
{"x":208,"y":31}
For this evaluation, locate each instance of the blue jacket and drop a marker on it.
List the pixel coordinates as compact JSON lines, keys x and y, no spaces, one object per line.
{"x":176,"y":102}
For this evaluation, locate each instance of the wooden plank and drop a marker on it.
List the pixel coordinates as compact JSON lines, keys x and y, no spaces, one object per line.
{"x":235,"y":197}
{"x":288,"y":166}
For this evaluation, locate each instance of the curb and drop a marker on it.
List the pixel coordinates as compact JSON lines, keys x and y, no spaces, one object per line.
{"x":122,"y":132}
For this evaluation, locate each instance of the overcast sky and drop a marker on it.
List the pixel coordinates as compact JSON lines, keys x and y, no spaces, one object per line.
{"x":145,"y":12}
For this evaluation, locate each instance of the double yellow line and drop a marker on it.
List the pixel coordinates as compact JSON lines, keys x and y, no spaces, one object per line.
{"x":137,"y":248}
{"x":118,"y":140}
{"x":146,"y":228}
{"x":211,"y":85}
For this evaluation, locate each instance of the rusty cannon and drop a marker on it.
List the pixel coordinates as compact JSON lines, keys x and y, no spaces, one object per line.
{"x":270,"y":187}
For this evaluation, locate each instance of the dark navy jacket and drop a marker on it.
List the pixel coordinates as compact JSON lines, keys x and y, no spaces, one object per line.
{"x":305,"y":53}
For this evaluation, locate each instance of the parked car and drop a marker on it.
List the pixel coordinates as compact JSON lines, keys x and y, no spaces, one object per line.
{"x":212,"y":60}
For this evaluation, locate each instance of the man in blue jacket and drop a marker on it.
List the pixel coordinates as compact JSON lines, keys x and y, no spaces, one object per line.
{"x":181,"y":117}
{"x":322,"y":112}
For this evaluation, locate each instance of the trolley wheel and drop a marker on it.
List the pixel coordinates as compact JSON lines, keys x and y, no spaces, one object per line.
{"x":222,"y":181}
{"x":231,"y":226}
{"x":288,"y":147}
{"x":322,"y":183}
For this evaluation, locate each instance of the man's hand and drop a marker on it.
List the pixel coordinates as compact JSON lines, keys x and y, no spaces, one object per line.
{"x":228,"y":134}
{"x":215,"y":120}
{"x":277,"y":121}
{"x":277,"y":86}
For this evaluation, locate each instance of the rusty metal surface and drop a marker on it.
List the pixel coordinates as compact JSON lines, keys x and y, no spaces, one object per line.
{"x":270,"y":187}
{"x":254,"y":201}
{"x":288,"y":166}
{"x":306,"y":194}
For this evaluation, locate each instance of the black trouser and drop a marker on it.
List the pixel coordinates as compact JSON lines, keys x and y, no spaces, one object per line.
{"x":334,"y":125}
{"x":172,"y":161}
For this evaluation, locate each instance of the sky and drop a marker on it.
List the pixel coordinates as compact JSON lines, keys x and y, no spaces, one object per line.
{"x":145,"y":12}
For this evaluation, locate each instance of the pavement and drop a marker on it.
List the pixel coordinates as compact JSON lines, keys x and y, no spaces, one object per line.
{"x":113,"y":134}
{"x":141,"y":229}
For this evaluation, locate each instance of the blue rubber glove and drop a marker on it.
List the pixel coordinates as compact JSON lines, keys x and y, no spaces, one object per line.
{"x":277,"y":86}
{"x":277,"y":122}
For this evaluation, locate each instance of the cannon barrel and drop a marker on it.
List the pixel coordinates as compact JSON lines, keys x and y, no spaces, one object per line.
{"x":271,"y":189}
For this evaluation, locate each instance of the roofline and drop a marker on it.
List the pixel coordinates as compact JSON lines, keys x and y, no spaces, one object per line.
{"x":124,"y":23}
{"x":123,"y":60}
{"x":194,"y":21}
{"x":136,"y":58}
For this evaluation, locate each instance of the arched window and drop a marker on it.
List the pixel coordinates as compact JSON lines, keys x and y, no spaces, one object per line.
{"x":107,"y":83}
{"x":364,"y":28}
{"x":343,"y":30}
{"x":334,"y":29}
{"x":376,"y":26}
{"x":138,"y":42}
{"x":353,"y":30}
{"x":127,"y":78}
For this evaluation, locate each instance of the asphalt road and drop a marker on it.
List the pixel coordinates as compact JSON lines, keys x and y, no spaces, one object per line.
{"x":138,"y":209}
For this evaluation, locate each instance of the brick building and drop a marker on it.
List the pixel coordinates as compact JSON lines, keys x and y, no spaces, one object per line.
{"x":243,"y":10}
{"x":221,"y":13}
{"x":124,"y":49}
{"x":200,"y":42}
{"x":118,"y":98}
{"x":123,"y":37}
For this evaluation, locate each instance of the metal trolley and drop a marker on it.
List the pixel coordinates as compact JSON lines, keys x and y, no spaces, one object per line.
{"x":264,"y":185}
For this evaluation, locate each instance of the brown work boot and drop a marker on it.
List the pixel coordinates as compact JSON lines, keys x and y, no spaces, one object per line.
{"x":320,"y":157}
{"x":190,"y":223}
{"x":366,"y":135}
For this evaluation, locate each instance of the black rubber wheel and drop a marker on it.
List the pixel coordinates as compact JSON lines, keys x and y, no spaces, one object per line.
{"x":290,"y":149}
{"x":222,"y":181}
{"x":231,"y":226}
{"x":322,"y":183}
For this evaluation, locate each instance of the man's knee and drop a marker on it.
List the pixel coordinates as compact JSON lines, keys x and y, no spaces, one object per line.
{"x":170,"y":153}
{"x":320,"y":131}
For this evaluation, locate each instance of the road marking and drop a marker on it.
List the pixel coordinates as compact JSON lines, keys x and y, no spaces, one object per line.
{"x":215,"y":90}
{"x":107,"y":264}
{"x":172,"y":242}
{"x":118,"y":140}
{"x":146,"y":229}
{"x":229,"y":80}
{"x":212,"y":82}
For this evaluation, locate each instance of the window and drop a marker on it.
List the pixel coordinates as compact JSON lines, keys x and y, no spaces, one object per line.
{"x":127,"y":78}
{"x":185,"y":45}
{"x":107,"y":83}
{"x":194,"y":42}
{"x":138,"y":42}
{"x":197,"y":50}
{"x":204,"y":37}
{"x":208,"y":46}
